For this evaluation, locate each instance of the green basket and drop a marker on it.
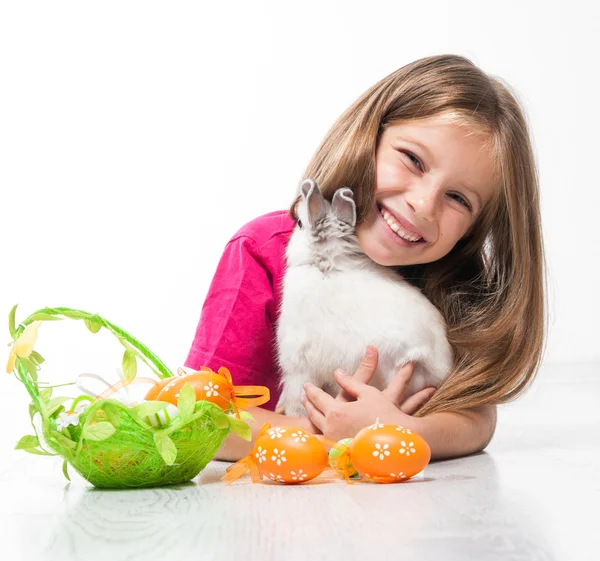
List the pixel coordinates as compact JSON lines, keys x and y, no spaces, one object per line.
{"x":113,"y":445}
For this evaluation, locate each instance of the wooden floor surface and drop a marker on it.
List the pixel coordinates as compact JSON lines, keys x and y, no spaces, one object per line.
{"x":533,"y":495}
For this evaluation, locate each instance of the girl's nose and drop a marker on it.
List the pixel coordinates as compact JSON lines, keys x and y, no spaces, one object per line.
{"x":423,"y":201}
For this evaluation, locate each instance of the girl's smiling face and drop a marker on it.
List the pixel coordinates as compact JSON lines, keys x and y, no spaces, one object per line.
{"x":432,"y":182}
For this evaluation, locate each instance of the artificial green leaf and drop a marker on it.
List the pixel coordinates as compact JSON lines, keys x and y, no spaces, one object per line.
{"x":53,"y":405}
{"x":36,"y":357}
{"x":28,"y":441}
{"x":99,"y":431}
{"x":38,"y":452}
{"x":42,"y":316}
{"x":65,"y":471}
{"x":92,"y":325}
{"x":220,"y":419}
{"x":112,"y":412}
{"x":64,"y":440}
{"x":245,"y":416}
{"x":240,"y":428}
{"x":149,"y":408}
{"x":166,"y":448}
{"x":30,"y":367}
{"x":129,"y":364}
{"x":11,"y":321}
{"x":46,"y":394}
{"x":32,"y":410}
{"x":186,"y":401}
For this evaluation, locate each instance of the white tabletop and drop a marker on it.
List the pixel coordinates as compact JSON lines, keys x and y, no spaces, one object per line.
{"x":533,"y":494}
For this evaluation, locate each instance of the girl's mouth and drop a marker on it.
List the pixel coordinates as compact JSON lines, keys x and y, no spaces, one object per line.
{"x":399,"y":233}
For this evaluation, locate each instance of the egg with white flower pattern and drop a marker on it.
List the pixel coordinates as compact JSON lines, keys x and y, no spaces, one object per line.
{"x":389,"y":453}
{"x":289,"y":455}
{"x":206,"y":384}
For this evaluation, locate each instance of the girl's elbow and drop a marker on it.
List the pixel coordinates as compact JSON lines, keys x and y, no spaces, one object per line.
{"x":487,"y":417}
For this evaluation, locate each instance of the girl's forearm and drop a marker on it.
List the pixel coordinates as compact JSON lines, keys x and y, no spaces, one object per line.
{"x":452,"y":434}
{"x":235,"y":448}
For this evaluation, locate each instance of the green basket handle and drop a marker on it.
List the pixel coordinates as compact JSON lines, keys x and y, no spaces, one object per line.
{"x":94,"y":323}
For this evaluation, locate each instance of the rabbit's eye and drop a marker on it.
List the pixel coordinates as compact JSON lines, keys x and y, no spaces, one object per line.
{"x":299,"y":223}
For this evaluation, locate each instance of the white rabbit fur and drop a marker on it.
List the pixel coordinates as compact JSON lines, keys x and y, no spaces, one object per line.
{"x":336,"y":301}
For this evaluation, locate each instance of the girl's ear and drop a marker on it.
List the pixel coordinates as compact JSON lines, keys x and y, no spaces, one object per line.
{"x":315,"y":203}
{"x":343,"y":206}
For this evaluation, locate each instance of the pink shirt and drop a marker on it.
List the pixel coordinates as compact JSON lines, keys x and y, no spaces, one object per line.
{"x":238,"y":319}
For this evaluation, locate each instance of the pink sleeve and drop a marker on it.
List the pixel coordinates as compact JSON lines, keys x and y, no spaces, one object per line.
{"x":236,"y":324}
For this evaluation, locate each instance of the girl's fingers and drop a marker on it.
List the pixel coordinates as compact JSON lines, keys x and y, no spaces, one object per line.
{"x":321,"y":400}
{"x":367,"y":365}
{"x":413,"y":403}
{"x":363,"y":373}
{"x":314,"y":415}
{"x":353,"y":387}
{"x":398,"y":383}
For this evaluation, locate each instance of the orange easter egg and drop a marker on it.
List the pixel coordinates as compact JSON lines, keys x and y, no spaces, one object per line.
{"x":158,"y":386}
{"x":389,"y":453}
{"x":289,"y":455}
{"x":156,"y":389}
{"x":205,"y":383}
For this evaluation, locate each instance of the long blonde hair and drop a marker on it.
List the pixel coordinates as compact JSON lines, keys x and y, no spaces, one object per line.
{"x":491,"y":287}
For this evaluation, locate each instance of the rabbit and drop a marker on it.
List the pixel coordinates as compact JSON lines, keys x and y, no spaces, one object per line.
{"x":336,"y":301}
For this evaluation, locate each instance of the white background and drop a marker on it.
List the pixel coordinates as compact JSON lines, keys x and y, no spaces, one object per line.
{"x":137,"y":137}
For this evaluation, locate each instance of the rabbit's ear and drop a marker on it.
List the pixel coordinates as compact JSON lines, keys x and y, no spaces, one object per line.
{"x":343,"y":206}
{"x":315,"y":203}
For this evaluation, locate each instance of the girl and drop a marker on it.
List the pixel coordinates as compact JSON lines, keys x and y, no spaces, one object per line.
{"x":440,"y":161}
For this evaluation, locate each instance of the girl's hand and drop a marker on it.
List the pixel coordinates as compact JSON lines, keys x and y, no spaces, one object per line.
{"x":305,"y":424}
{"x":365,"y":372}
{"x":340,"y":417}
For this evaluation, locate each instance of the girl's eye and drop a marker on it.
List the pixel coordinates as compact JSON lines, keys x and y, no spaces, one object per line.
{"x":413,"y":159}
{"x":419,"y":165}
{"x":460,"y":199}
{"x":299,"y":223}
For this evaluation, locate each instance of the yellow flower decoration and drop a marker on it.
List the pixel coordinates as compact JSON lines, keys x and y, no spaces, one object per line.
{"x":23,"y":346}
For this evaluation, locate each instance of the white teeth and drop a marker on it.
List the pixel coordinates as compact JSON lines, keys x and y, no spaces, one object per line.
{"x":397,"y":228}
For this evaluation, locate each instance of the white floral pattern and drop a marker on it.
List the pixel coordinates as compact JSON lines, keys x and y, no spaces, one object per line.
{"x":211,"y":389}
{"x":299,"y":436}
{"x":276,"y":477}
{"x":66,"y":419}
{"x":276,"y":433}
{"x":407,"y":449}
{"x":261,"y":455}
{"x":376,"y":426}
{"x":399,"y":475}
{"x":300,"y":476}
{"x":404,"y":430}
{"x":169,"y":385}
{"x":279,"y":457}
{"x":380,"y":451}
